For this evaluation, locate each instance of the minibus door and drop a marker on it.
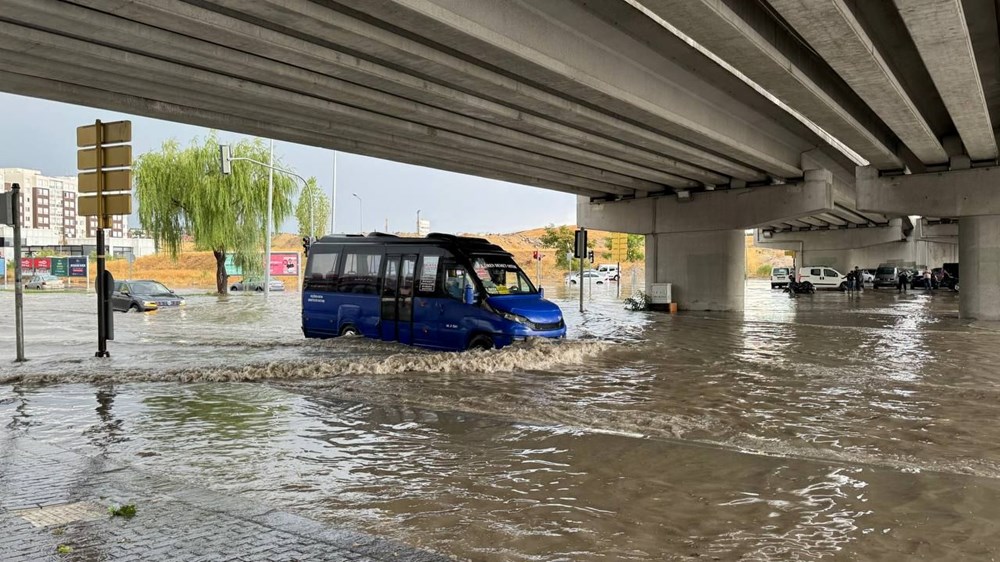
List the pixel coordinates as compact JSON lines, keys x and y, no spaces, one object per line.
{"x":397,"y":298}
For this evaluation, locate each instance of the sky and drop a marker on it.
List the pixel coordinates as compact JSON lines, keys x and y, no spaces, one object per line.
{"x":41,"y":135}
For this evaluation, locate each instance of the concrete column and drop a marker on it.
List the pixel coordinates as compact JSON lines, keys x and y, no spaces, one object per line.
{"x":705,"y":268}
{"x":979,"y":259}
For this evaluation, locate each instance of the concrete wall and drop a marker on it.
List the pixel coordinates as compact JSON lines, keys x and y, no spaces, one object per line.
{"x":705,"y":268}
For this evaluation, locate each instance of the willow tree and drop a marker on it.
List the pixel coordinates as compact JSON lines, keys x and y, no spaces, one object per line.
{"x":181,"y":192}
{"x":318,"y":216}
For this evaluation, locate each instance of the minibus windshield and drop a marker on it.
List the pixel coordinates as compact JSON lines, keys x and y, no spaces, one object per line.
{"x":500,"y":275}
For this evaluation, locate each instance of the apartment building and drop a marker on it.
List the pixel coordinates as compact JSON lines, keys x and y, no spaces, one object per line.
{"x":47,"y":208}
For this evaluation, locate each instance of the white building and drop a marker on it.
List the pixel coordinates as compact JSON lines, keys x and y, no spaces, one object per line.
{"x":423,"y":227}
{"x":47,"y":210}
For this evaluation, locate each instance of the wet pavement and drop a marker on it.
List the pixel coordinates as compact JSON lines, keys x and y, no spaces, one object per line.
{"x":822,"y":426}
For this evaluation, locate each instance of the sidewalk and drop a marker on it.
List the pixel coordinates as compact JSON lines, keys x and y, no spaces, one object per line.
{"x":51,"y":497}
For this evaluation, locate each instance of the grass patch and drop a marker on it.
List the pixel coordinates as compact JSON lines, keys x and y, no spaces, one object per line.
{"x":64,"y":549}
{"x":127,"y":511}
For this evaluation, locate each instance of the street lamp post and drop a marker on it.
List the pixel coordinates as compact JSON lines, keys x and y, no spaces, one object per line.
{"x":361,"y":213}
{"x":418,"y":222}
{"x":226,"y":160}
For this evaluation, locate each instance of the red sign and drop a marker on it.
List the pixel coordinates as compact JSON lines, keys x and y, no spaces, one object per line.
{"x":284,"y":263}
{"x":36,"y":264}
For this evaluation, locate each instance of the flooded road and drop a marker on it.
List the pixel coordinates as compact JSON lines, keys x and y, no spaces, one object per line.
{"x":822,"y":426}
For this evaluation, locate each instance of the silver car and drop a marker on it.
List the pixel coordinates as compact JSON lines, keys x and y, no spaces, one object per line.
{"x":256,"y":284}
{"x":44,"y":282}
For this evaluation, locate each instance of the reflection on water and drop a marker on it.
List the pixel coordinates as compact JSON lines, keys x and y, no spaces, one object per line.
{"x":820,"y":426}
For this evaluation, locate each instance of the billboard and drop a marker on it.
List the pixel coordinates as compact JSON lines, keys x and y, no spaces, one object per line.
{"x":36,"y":264}
{"x":60,"y":267}
{"x":284,"y":263}
{"x":77,"y":266}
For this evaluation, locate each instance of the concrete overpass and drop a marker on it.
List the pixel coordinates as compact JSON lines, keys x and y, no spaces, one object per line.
{"x":597,"y":98}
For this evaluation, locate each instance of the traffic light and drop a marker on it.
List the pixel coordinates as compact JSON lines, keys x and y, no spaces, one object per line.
{"x":590,"y":255}
{"x":534,"y":255}
{"x":305,"y":245}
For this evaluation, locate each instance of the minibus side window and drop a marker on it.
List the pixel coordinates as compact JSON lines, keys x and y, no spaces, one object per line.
{"x":359,"y":273}
{"x":321,"y":274}
{"x":454,"y":280}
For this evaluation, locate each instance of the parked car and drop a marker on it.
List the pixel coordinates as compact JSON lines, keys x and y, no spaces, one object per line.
{"x":44,"y":282}
{"x":886,"y":276}
{"x":257,"y":284}
{"x":780,"y":276}
{"x":610,"y":270}
{"x":590,"y":275}
{"x":143,"y":296}
{"x":867,"y":276}
{"x":822,"y":277}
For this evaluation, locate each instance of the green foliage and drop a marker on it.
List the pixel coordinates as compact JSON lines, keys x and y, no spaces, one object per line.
{"x":764,"y":270}
{"x":320,"y":210}
{"x":182,"y":192}
{"x":127,"y":511}
{"x":636,"y":244}
{"x":560,"y":238}
{"x":638,"y":301}
{"x":64,"y":549}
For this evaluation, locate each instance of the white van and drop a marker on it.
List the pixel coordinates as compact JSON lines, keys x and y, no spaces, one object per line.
{"x":823,"y":277}
{"x":609,"y":270}
{"x":780,"y":277}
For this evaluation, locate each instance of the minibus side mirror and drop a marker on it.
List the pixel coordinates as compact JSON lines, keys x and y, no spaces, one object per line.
{"x":470,"y":295}
{"x":541,"y":292}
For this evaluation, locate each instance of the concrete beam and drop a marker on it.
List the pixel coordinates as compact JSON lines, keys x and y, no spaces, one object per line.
{"x":322,"y":25}
{"x":744,"y":35}
{"x":74,"y":93}
{"x":729,"y":209}
{"x":958,"y":193}
{"x":835,"y":239}
{"x":939,"y":30}
{"x":832,"y":30}
{"x":552,"y":43}
{"x":57,"y":57}
{"x":297,"y":65}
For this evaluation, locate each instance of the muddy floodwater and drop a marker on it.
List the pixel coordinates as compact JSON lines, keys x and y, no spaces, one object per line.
{"x":825,"y":426}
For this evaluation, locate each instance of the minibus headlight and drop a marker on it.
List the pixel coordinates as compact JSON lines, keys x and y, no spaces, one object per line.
{"x":513,"y":317}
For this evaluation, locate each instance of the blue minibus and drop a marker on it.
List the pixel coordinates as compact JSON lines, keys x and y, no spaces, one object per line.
{"x":441,"y":291}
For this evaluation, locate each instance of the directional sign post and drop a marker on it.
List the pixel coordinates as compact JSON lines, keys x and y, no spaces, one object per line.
{"x":105,"y":184}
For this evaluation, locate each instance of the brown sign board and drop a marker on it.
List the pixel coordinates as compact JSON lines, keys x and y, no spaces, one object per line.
{"x":115,"y":180}
{"x":117,"y":204}
{"x":118,"y":131}
{"x":114,"y":157}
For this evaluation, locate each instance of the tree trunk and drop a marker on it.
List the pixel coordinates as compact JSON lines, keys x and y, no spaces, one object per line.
{"x":221,"y":278}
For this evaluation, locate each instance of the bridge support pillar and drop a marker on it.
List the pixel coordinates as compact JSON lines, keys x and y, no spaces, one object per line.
{"x":705,"y":268}
{"x":979,"y":259}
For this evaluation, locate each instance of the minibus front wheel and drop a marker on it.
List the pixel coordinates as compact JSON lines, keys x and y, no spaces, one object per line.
{"x":481,"y":341}
{"x":349,"y":330}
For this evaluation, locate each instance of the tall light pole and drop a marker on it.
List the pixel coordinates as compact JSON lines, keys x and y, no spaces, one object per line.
{"x":333,"y":197}
{"x":226,"y":160}
{"x":270,"y":227}
{"x":361,"y":214}
{"x":418,"y":222}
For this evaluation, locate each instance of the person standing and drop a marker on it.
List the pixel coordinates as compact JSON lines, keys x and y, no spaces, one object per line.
{"x":859,"y":278}
{"x":901,"y":281}
{"x":928,"y":286}
{"x":850,"y":282}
